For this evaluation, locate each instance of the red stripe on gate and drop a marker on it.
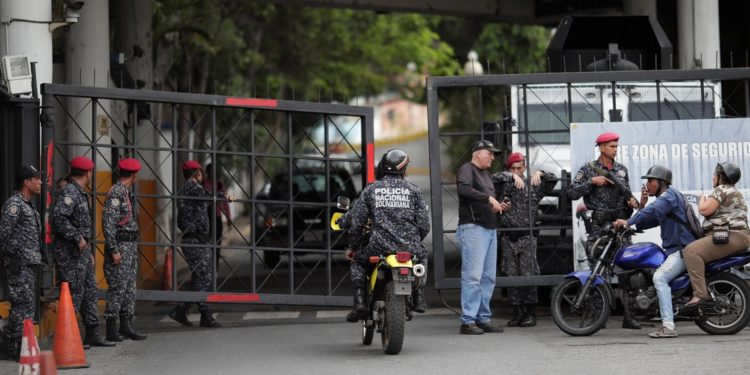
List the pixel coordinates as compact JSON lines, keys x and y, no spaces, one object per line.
{"x":223,"y":297}
{"x":251,"y":102}
{"x":370,"y":162}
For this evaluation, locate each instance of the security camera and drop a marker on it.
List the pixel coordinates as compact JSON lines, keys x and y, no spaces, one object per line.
{"x":72,"y":10}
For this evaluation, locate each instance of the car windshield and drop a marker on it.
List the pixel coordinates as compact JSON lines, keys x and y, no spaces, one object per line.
{"x":310,"y":186}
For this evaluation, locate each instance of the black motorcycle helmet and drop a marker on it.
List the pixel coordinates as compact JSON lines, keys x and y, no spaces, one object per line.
{"x":659,"y":172}
{"x":394,"y":162}
{"x":730,"y":171}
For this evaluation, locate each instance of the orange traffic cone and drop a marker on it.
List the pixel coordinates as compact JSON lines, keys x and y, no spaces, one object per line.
{"x":49,"y":367}
{"x":68,"y":347}
{"x":28,"y":362}
{"x":166,"y":274}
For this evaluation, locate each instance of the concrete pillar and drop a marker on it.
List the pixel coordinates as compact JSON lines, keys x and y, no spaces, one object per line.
{"x":25,"y":31}
{"x":133,"y":37}
{"x":698,"y":34}
{"x":87,"y":64}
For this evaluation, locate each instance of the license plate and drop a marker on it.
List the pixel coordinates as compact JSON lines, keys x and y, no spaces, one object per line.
{"x":401,"y":287}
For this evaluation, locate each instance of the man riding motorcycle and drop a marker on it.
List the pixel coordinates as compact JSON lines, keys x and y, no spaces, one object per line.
{"x":399,"y":222}
{"x":668,"y":212}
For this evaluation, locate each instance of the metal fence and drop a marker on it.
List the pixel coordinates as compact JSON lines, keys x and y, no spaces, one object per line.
{"x":532,"y":114}
{"x":286,"y":162}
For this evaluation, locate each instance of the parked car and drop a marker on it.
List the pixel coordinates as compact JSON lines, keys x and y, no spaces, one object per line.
{"x":311,"y":203}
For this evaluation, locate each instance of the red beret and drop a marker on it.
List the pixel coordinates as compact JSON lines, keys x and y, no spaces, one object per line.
{"x":81,"y":162}
{"x":607,"y":137}
{"x":513,"y":158}
{"x":129,"y":165}
{"x":191,"y":165}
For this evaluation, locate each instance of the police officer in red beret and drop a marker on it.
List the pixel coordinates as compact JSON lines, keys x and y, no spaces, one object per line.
{"x":193,"y":221}
{"x":518,"y":243}
{"x":121,"y":253}
{"x":607,"y":202}
{"x":71,"y":226}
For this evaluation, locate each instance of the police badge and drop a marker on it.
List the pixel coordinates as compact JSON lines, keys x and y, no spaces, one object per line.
{"x":115,"y":202}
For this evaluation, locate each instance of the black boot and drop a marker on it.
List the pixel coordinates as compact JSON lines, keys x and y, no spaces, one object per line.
{"x":529,"y":320}
{"x":12,"y":349}
{"x":208,"y":321}
{"x":418,"y":300}
{"x":179,"y":315}
{"x":112,"y":334}
{"x":92,"y":338}
{"x":126,"y":329}
{"x":359,"y":310}
{"x":627,"y":314}
{"x":518,"y":314}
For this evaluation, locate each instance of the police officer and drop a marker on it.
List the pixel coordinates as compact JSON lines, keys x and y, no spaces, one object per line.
{"x":121,"y":253}
{"x":399,"y":222}
{"x":193,"y":221}
{"x":71,"y":225}
{"x":605,"y":199}
{"x":20,"y":250}
{"x":519,"y":246}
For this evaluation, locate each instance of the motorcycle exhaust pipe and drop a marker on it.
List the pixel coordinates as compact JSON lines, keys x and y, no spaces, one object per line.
{"x":419,"y":270}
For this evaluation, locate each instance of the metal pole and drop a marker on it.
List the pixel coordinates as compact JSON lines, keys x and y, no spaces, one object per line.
{"x":436,"y":183}
{"x":215,"y":241}
{"x":173,"y":226}
{"x":290,"y":235}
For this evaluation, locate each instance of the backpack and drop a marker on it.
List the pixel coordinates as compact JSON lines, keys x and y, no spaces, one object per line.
{"x":692,"y":224}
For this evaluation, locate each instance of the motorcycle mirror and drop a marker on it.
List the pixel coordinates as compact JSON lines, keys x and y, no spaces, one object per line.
{"x":342,"y":203}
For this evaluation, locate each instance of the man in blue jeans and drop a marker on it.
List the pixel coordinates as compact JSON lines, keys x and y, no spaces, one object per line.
{"x":477,"y":238}
{"x":668,"y":212}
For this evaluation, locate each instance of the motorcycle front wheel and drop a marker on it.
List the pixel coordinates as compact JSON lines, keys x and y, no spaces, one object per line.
{"x":730,"y":312}
{"x":586,"y":320}
{"x":395,"y":320}
{"x":368,"y":331}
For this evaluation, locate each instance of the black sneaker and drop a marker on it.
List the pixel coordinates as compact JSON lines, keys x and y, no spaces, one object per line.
{"x":489,"y":328}
{"x":471,"y":329}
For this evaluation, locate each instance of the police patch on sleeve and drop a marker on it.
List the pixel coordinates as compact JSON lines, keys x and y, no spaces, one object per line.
{"x":115,"y":202}
{"x":68,"y":200}
{"x":13,"y":210}
{"x":621,"y":173}
{"x":579,"y":176}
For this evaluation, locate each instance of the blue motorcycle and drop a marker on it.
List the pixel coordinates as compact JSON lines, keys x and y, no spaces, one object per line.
{"x":581,"y":304}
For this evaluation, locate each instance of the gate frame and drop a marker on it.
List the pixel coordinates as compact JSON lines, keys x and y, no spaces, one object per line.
{"x":366,"y":115}
{"x":480,"y":81}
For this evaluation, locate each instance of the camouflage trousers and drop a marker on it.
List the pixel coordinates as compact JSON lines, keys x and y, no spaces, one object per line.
{"x":21,"y":295}
{"x":77,"y":268}
{"x":519,"y":259}
{"x":360,"y":268}
{"x":121,"y":279}
{"x":199,"y":259}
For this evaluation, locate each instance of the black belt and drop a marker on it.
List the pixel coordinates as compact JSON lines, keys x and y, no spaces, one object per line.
{"x":127,"y":236}
{"x":201,"y":237}
{"x":602,"y":217}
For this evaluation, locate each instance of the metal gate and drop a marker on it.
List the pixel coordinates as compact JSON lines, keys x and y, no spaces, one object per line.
{"x":532,"y":113}
{"x":286,"y":162}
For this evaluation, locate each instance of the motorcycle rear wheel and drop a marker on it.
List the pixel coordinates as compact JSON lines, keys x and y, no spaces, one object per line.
{"x":731,"y":312}
{"x":586,"y":320}
{"x":395,"y":321}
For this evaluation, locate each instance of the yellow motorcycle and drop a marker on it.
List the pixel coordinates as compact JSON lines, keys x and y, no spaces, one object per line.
{"x":389,"y":294}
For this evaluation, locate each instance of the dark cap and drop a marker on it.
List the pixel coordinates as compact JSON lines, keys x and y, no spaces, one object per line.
{"x":484,"y":145}
{"x":26,"y":172}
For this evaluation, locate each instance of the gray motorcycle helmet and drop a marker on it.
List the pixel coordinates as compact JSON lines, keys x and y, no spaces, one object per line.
{"x":730,"y":170}
{"x":659,"y":172}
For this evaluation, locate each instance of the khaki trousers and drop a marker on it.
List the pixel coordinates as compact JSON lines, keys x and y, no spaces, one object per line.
{"x":702,"y":251}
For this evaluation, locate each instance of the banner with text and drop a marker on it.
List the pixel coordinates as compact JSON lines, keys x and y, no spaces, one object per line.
{"x":690,"y":148}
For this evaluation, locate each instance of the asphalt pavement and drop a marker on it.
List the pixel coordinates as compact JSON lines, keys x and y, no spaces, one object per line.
{"x":314,"y":341}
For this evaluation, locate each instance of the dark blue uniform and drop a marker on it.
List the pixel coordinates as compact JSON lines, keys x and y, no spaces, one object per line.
{"x":20,"y":246}
{"x":400,"y":222}
{"x":193,"y":221}
{"x":121,"y":235}
{"x":71,"y":222}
